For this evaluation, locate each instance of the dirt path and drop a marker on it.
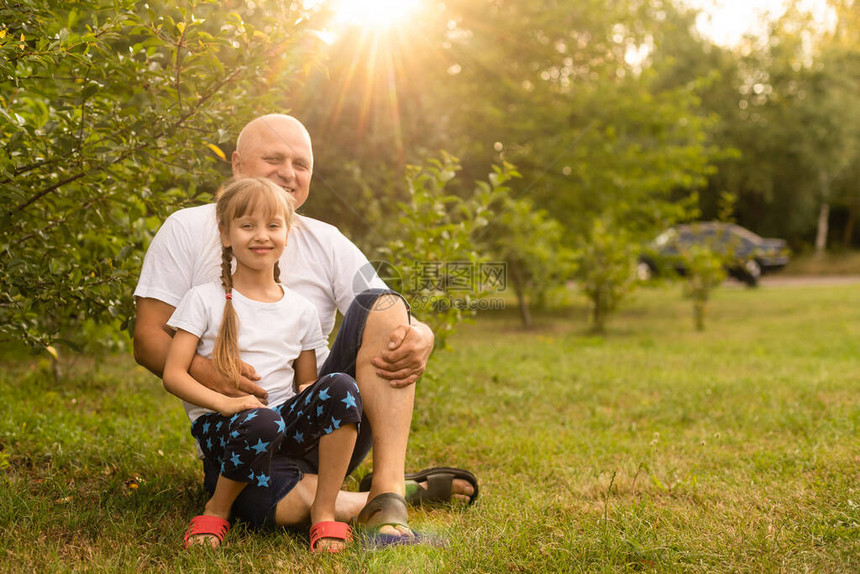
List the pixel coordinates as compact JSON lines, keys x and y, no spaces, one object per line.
{"x":777,"y":280}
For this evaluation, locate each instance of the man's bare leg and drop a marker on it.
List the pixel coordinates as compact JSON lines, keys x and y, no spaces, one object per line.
{"x":388,"y":409}
{"x":295,"y":508}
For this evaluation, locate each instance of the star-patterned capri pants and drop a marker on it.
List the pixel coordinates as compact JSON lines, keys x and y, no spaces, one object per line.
{"x":272,"y":449}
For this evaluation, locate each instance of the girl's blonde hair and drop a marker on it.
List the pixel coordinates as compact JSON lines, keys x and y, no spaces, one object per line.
{"x":236,"y":198}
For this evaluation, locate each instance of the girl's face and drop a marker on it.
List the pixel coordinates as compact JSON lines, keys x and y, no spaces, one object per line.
{"x":257,"y":238}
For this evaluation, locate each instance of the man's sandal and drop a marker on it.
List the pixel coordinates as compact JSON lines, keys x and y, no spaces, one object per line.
{"x":386,"y":509}
{"x":389,"y":509}
{"x":439,"y":480}
{"x":206,"y":526}
{"x":330,"y":529}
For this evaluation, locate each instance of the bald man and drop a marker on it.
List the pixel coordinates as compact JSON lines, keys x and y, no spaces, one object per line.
{"x":379,"y":342}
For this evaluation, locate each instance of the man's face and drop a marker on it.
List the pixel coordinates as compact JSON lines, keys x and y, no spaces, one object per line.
{"x":278,"y":149}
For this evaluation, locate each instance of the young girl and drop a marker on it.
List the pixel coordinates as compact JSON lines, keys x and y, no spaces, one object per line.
{"x":250,"y":318}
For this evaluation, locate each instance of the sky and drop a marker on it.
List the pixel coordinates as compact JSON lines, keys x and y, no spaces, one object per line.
{"x":726,"y":21}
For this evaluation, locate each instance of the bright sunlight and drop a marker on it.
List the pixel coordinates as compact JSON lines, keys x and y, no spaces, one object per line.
{"x":379,"y":14}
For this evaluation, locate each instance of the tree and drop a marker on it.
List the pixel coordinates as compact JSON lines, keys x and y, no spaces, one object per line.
{"x":549,"y":86}
{"x":113,"y":113}
{"x":433,"y":255}
{"x":840,"y":56}
{"x":787,"y":103}
{"x":607,"y":269}
{"x":556,"y":92}
{"x":705,"y":271}
{"x":531,"y":243}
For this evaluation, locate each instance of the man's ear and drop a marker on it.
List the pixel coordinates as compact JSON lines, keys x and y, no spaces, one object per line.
{"x":236,"y":162}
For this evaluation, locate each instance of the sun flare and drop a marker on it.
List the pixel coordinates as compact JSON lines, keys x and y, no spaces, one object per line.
{"x":380,"y":14}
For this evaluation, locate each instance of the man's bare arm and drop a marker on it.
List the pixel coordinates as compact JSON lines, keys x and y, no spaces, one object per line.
{"x":152,"y":338}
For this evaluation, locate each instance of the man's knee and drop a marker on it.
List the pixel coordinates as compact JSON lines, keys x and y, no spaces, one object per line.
{"x":391,"y":301}
{"x":388,"y":309}
{"x":377,"y":300}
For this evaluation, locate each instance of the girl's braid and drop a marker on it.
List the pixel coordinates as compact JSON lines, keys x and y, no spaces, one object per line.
{"x":227,"y":268}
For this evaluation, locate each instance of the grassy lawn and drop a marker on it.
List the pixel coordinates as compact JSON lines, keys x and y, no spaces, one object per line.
{"x":656,"y":448}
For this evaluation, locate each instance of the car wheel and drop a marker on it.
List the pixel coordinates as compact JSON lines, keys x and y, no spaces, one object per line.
{"x":644,"y":271}
{"x":752,"y":272}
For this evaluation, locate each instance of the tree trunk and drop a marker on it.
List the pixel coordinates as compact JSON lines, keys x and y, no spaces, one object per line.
{"x":519,"y":289}
{"x":699,"y":314}
{"x":597,"y":314}
{"x":823,"y":215}
{"x":821,"y":236}
{"x":525,"y":314}
{"x":849,"y":226}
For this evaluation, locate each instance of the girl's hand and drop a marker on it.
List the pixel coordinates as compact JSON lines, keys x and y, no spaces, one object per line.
{"x":233,"y":405}
{"x":204,"y":372}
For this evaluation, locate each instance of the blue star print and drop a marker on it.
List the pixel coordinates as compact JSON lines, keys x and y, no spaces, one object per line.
{"x":260,"y":447}
{"x":324,"y":396}
{"x":349,"y":400}
{"x":235,"y":459}
{"x":281,"y":424}
{"x":299,"y":437}
{"x":263,"y":480}
{"x":205,"y":427}
{"x":251,"y":415}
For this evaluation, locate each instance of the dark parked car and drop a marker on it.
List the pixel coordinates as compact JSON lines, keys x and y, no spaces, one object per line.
{"x":748,"y":256}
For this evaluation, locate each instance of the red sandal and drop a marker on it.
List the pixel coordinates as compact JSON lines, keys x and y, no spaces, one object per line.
{"x":330,"y":529}
{"x":207,"y":525}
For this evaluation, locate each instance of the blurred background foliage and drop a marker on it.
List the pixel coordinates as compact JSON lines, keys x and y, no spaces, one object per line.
{"x":618,"y":118}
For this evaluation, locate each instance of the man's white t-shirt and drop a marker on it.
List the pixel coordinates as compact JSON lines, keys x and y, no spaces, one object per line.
{"x":271,"y":335}
{"x":319,"y":263}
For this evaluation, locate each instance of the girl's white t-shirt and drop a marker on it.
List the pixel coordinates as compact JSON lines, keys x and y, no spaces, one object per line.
{"x":271,"y":335}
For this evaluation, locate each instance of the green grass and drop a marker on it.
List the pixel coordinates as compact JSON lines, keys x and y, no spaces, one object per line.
{"x":656,"y":448}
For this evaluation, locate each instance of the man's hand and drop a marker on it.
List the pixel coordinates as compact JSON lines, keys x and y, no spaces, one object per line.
{"x":205,"y":373}
{"x":409,"y":348}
